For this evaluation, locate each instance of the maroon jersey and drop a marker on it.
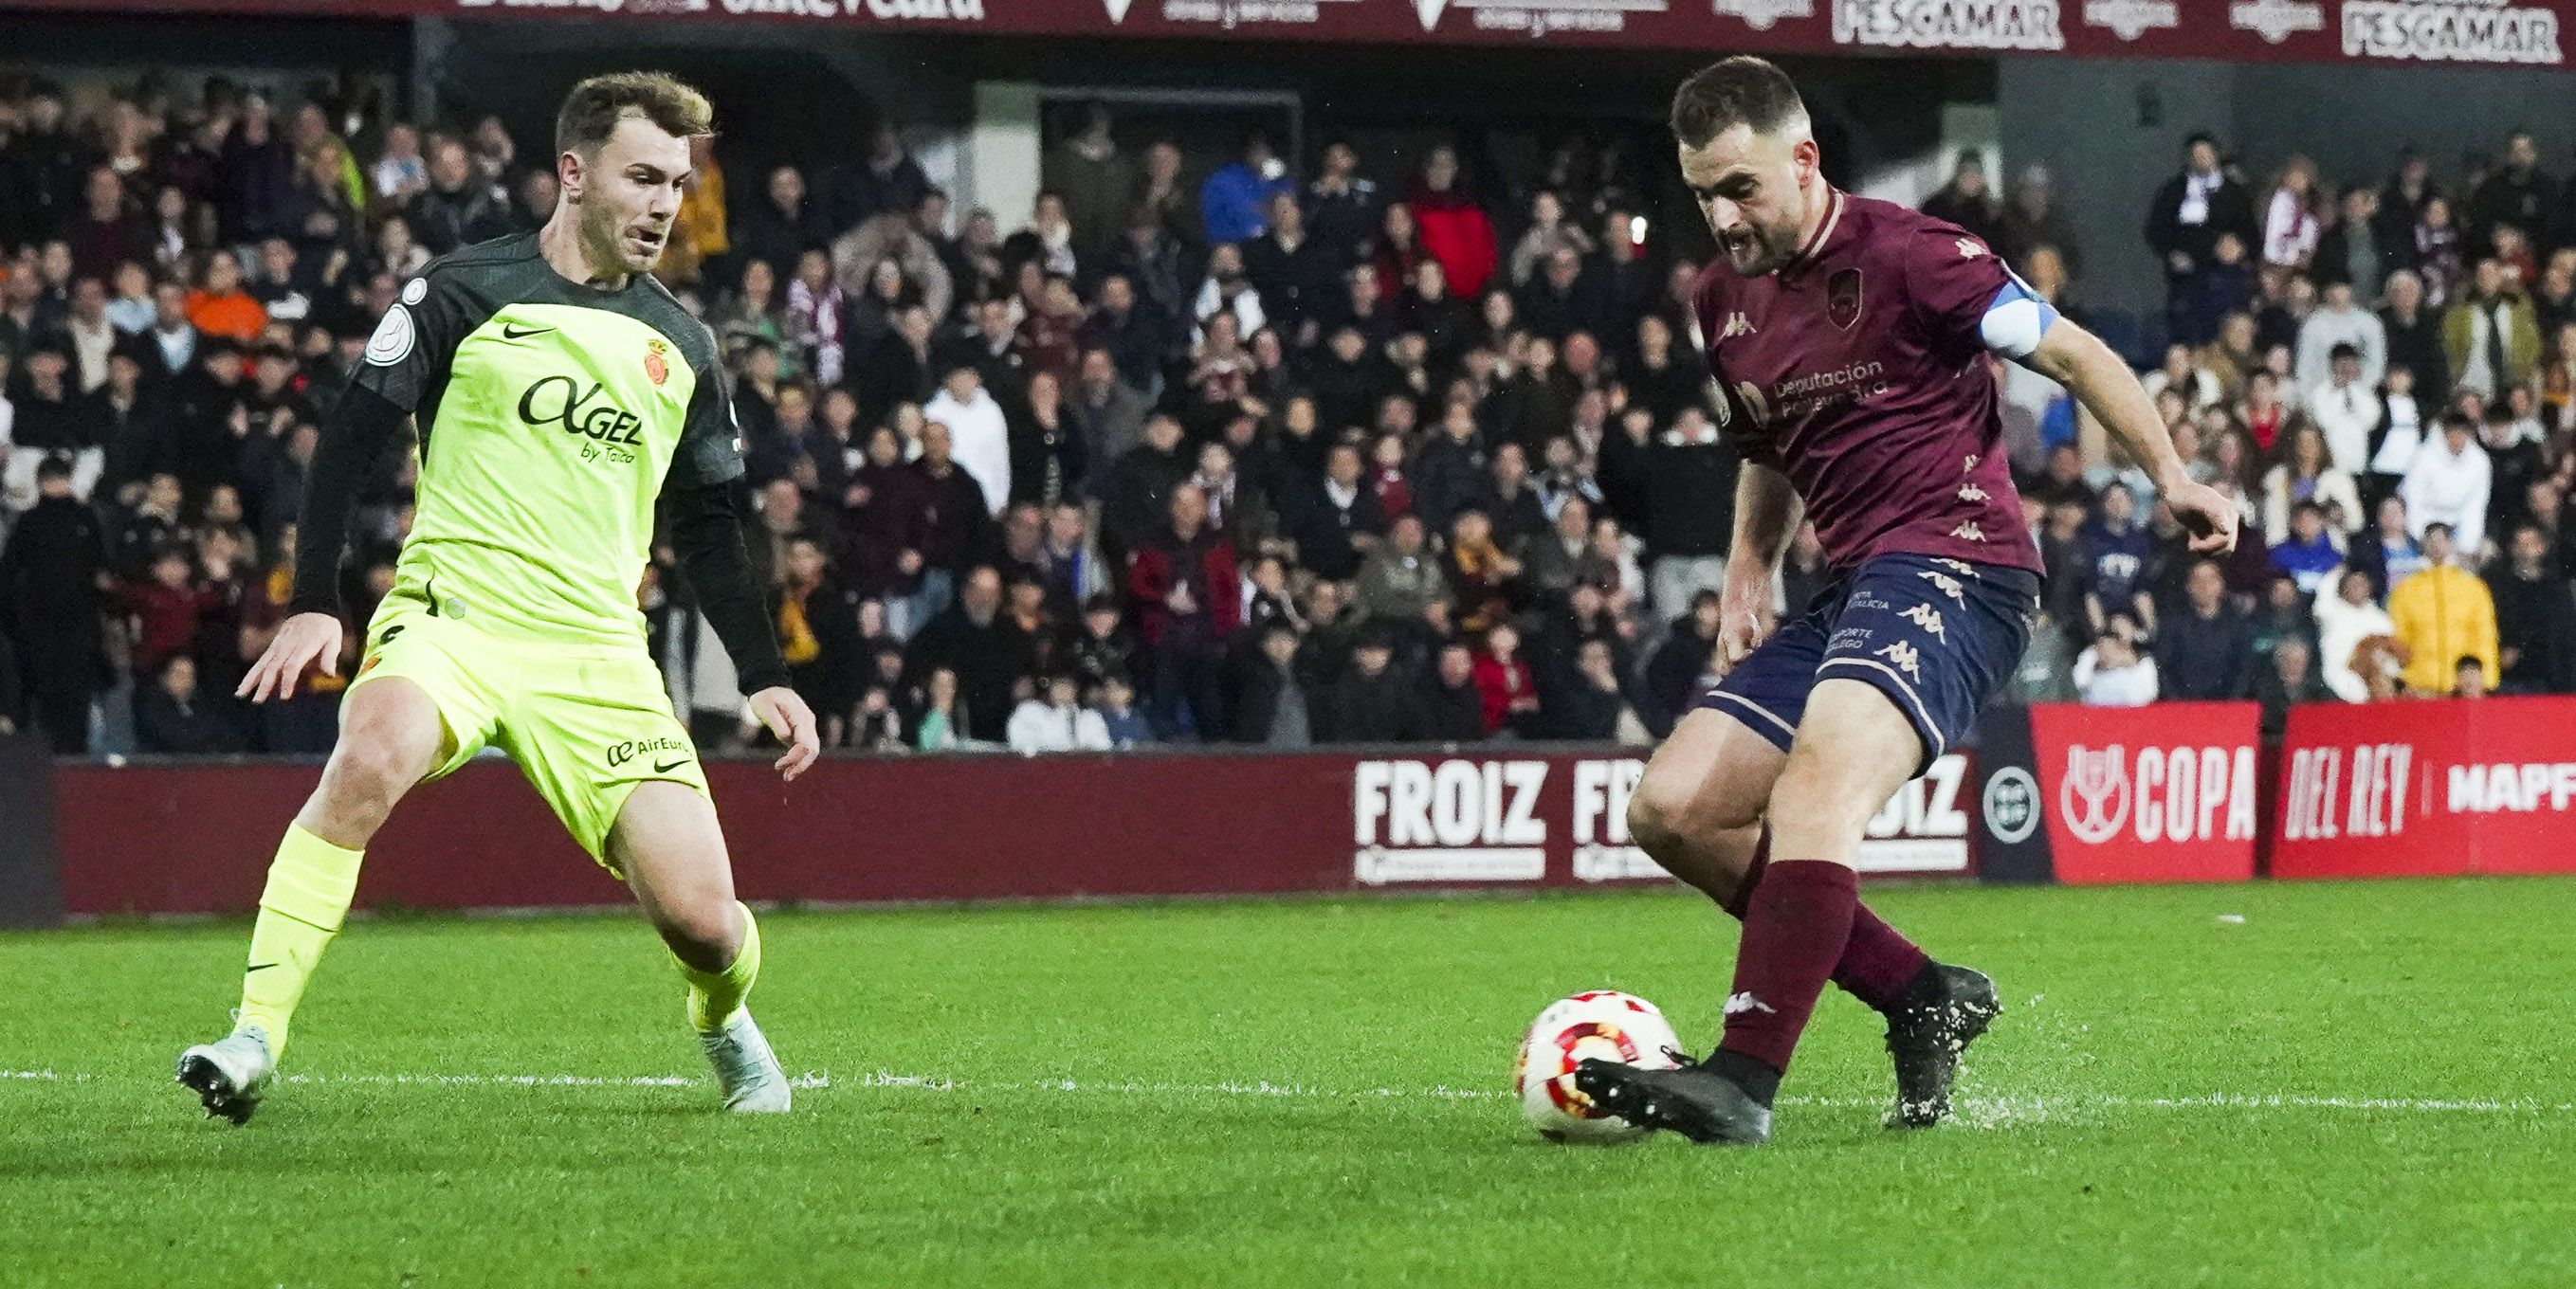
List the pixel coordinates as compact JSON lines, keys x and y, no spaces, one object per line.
{"x":1859,"y":370}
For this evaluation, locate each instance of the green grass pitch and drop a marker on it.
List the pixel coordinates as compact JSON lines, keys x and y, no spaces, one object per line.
{"x":2354,"y":1085}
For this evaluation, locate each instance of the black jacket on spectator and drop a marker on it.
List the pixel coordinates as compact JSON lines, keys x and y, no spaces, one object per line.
{"x":1365,"y":709}
{"x":2231,"y":209}
{"x":892,"y":373}
{"x":2417,"y":346}
{"x":989,"y":658}
{"x":49,"y":606}
{"x":958,"y":523}
{"x":1290,"y":282}
{"x":1259,"y":692}
{"x":1323,"y":530}
{"x":1453,"y":714}
{"x":1673,"y":674}
{"x":2203,"y":658}
{"x":199,"y":726}
{"x":1447,"y":476}
{"x":1137,"y":342}
{"x":1137,"y":504}
{"x":1690,"y":496}
{"x":831,"y":681}
{"x":1582,"y":710}
{"x":443,"y":221}
{"x":2536,"y":620}
{"x":765,"y":232}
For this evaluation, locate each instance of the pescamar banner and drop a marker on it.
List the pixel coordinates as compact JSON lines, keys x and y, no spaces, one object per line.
{"x":2092,"y":795}
{"x":2491,"y":32}
{"x":2428,"y":788}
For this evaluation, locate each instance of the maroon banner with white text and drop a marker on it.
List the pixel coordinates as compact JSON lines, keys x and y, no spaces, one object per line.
{"x":2498,"y":32}
{"x":2428,"y":788}
{"x":180,"y":838}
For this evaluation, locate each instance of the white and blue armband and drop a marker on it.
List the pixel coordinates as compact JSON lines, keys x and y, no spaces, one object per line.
{"x":2015,"y":319}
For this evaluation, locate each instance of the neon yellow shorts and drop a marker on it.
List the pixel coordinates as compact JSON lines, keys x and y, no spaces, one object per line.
{"x":585,"y":723}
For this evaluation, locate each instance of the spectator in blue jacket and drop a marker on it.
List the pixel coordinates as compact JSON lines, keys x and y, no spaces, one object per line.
{"x":2309,"y":555}
{"x":1235,"y":202}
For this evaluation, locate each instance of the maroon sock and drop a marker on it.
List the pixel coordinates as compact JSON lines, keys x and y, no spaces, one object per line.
{"x":1795,"y":928}
{"x":1878,"y":962}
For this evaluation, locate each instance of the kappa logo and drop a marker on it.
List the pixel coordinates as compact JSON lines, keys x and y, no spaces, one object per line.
{"x":1906,"y":658}
{"x":1947,"y":584}
{"x":1928,"y":618}
{"x":1969,"y":250}
{"x":1736,"y":325}
{"x":2093,"y":798}
{"x":1968,"y":531}
{"x":1959,"y":566}
{"x":1745,"y":1003}
{"x":1971,"y":492}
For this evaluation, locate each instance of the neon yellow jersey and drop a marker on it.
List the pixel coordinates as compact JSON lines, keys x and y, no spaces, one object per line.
{"x":552,"y":415}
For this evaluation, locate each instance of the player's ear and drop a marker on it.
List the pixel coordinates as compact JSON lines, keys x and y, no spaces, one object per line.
{"x":568,"y":176}
{"x":1809,"y":159}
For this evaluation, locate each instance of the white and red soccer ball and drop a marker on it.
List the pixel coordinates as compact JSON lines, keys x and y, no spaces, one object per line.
{"x":1601,"y":1023}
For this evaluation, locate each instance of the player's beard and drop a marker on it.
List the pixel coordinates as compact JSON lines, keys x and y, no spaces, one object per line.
{"x":607,"y":243}
{"x":1763,"y":248}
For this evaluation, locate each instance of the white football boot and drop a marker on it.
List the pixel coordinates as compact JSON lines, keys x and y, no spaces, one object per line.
{"x":746,"y":1070}
{"x":231,"y":1074}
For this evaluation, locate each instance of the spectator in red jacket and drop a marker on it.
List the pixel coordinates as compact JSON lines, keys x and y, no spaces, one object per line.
{"x":1454,"y":229}
{"x":1510,"y":690}
{"x":165,"y":609}
{"x":1189,"y":599}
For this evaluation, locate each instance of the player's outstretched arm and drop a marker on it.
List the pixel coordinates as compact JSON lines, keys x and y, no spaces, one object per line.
{"x":706,"y":530}
{"x":360,"y":430}
{"x":1766,"y":515}
{"x":2103,"y":383}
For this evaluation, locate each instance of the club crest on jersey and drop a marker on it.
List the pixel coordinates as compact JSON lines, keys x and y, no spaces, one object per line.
{"x":1842,"y":298}
{"x":656,"y":367}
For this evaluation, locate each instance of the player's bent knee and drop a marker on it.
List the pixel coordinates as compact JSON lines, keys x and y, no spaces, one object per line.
{"x":705,"y":932}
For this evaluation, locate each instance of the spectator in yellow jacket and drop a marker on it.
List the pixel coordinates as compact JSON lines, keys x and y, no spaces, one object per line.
{"x":2443,"y":614}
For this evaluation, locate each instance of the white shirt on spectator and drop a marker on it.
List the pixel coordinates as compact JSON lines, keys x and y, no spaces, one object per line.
{"x":2289,"y":229}
{"x":2405,"y":434}
{"x":2443,"y":488}
{"x":2100,"y":686}
{"x":2346,"y":414}
{"x":2341,"y":628}
{"x":1038,"y":726}
{"x":2327,"y":327}
{"x":979,"y":441}
{"x":1246,"y":306}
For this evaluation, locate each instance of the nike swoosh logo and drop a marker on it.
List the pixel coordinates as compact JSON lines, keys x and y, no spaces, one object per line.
{"x":666,"y":769}
{"x":509,"y":332}
{"x":260,"y":966}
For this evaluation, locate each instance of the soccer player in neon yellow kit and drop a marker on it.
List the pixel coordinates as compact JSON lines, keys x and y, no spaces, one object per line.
{"x":560,"y":392}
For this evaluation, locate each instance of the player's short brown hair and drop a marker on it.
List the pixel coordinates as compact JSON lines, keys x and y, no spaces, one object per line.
{"x":593,"y":109}
{"x":1743,"y":90}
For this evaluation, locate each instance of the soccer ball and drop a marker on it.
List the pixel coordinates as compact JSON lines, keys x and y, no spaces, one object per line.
{"x":1603,"y":1023}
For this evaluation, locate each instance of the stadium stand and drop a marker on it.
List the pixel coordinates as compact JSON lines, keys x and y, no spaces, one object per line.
{"x":1397,"y":457}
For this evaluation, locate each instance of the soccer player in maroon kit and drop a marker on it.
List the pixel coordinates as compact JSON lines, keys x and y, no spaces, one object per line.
{"x":1849,"y":341}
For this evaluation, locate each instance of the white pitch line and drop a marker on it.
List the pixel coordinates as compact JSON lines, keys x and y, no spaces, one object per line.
{"x":1997,"y":1109}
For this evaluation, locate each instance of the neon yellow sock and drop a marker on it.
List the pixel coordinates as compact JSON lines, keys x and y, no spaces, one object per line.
{"x":714,"y":996}
{"x":309,"y":887}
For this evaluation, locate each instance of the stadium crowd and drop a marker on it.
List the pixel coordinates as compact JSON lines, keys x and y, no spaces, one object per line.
{"x":1270,"y":456}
